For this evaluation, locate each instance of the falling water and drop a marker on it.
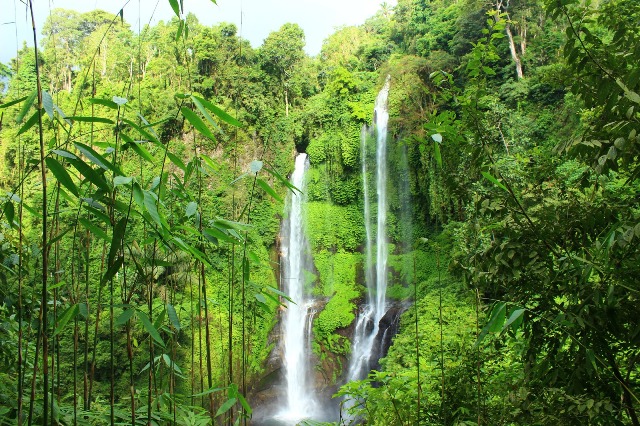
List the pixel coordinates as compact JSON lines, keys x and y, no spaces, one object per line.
{"x":368,"y":321}
{"x":298,"y":316}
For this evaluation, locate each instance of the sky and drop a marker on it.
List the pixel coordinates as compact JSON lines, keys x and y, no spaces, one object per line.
{"x":318,"y":18}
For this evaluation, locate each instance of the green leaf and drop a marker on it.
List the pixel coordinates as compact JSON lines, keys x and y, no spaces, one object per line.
{"x":119,"y":101}
{"x":29,"y":124}
{"x":219,"y":112}
{"x":281,"y":179}
{"x":150,"y":204}
{"x":265,"y":186}
{"x":61,"y":175}
{"x":192,"y":208}
{"x":226,"y":406}
{"x":90,"y":174}
{"x":244,"y":404}
{"x":94,"y":229}
{"x":215,"y":234}
{"x":493,"y":180}
{"x":279,"y":293}
{"x":47,"y":103}
{"x":138,"y":195}
{"x":256,"y":166}
{"x":210,"y":162}
{"x":146,"y":323}
{"x":65,"y":154}
{"x":515,"y":319}
{"x":176,"y":160}
{"x":27,"y":105}
{"x":104,"y":102}
{"x":90,"y":119}
{"x":9,"y":212}
{"x":143,"y":132}
{"x":112,"y":270}
{"x":122,"y":180}
{"x":124,"y":317}
{"x":139,"y":149}
{"x":204,"y":112}
{"x":197,"y":123}
{"x":496,"y":321}
{"x":13,"y":102}
{"x":116,"y":240}
{"x":67,"y":316}
{"x":175,"y":6}
{"x":94,"y":157}
{"x":437,"y":154}
{"x":194,"y":251}
{"x":173,"y":316}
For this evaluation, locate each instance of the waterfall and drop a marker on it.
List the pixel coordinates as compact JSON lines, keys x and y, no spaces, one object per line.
{"x":368,"y":321}
{"x":298,"y":316}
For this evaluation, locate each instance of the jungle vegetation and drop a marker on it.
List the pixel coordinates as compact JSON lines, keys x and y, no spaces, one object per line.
{"x":143,"y":174}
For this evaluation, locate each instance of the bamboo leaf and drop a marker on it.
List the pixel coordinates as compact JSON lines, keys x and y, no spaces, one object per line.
{"x":496,"y":321}
{"x":204,"y":112}
{"x":87,"y":119}
{"x":95,"y":158}
{"x":61,"y":175}
{"x":116,"y":240}
{"x":219,"y":112}
{"x":226,"y":406}
{"x":104,"y":102}
{"x":176,"y":160}
{"x":515,"y":319}
{"x":192,"y":208}
{"x":493,"y":180}
{"x":437,"y":154}
{"x":67,"y":316}
{"x":265,"y":186}
{"x":245,"y":404}
{"x":281,"y":179}
{"x":173,"y":316}
{"x":47,"y":103}
{"x":90,"y":174}
{"x":122,"y":180}
{"x":197,"y":123}
{"x":112,"y":270}
{"x":9,"y":212}
{"x":150,"y":204}
{"x":150,"y":137}
{"x":175,"y":6}
{"x":146,"y":323}
{"x":124,"y":317}
{"x":13,"y":102}
{"x":29,"y":124}
{"x":94,"y":229}
{"x":26,"y":106}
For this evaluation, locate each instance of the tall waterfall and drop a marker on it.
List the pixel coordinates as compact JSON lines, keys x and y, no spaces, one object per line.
{"x":368,"y":321}
{"x":298,"y":317}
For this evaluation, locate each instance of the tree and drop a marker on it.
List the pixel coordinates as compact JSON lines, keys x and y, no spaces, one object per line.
{"x":281,"y":51}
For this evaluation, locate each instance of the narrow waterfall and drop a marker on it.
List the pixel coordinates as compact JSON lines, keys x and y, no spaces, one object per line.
{"x":298,"y":316}
{"x":368,"y":321}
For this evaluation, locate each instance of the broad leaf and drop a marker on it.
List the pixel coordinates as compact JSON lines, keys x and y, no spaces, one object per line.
{"x":61,"y":175}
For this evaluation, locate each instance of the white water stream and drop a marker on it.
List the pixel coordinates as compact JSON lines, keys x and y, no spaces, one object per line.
{"x":368,"y":321}
{"x":298,"y":317}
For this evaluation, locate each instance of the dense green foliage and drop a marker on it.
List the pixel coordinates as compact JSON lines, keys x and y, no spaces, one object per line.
{"x":142,"y":263}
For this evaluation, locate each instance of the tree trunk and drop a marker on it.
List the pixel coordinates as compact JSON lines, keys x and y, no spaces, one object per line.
{"x":502,"y":9}
{"x":514,"y":53}
{"x":286,"y":101}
